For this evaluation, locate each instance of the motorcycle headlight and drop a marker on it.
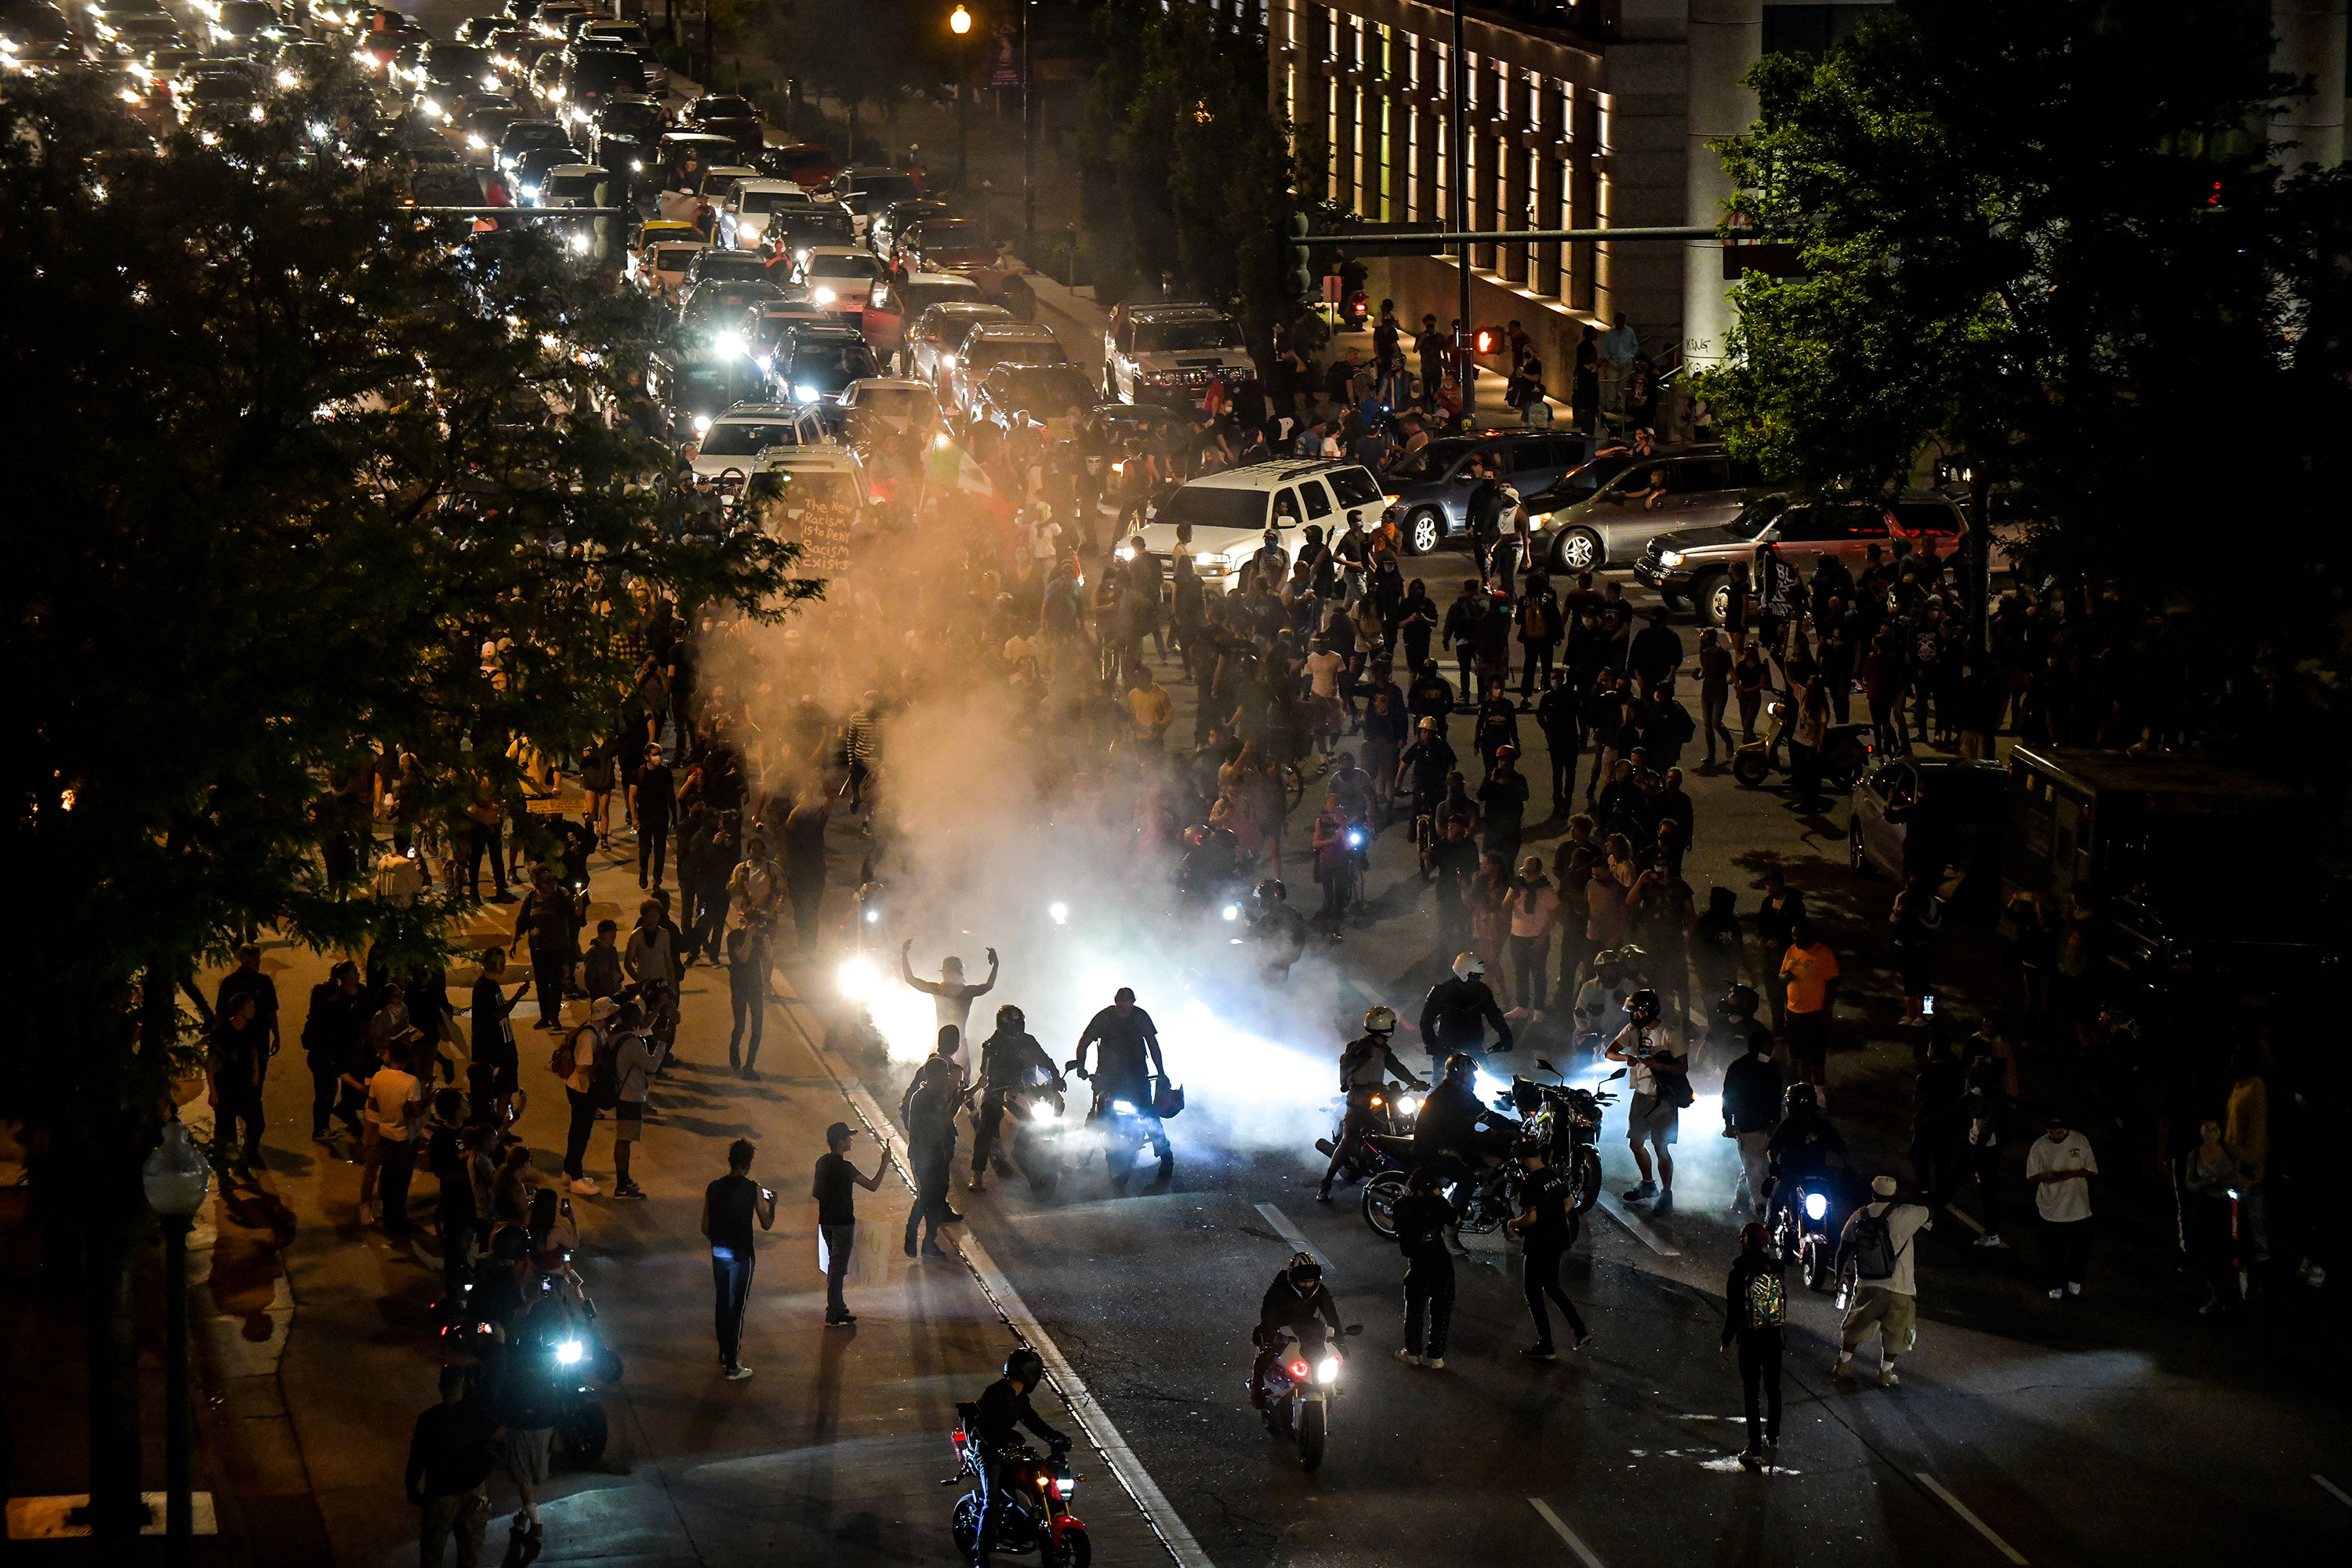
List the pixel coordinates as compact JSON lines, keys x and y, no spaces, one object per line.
{"x":569,"y":1352}
{"x":1816,"y":1206}
{"x":1328,"y":1370}
{"x":1408,"y":1105}
{"x":1232,"y":912}
{"x":1355,"y":838}
{"x":1041,"y":1111}
{"x":1061,"y":913}
{"x":1124,"y":1107}
{"x":1064,"y":1485}
{"x":636,"y":166}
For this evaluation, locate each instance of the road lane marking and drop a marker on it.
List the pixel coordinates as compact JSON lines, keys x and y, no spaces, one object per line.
{"x":1650,"y":1238}
{"x":1292,"y":1234}
{"x":1100,"y":1430}
{"x":1980,"y":1527}
{"x":1559,"y":1528}
{"x":2338,"y":1493}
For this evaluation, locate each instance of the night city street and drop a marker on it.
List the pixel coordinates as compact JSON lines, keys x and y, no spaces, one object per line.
{"x":797,"y":776}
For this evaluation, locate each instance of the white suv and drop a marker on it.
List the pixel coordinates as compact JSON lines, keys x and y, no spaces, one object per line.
{"x":744,"y":224}
{"x":1170,"y":354}
{"x":1230,"y":511}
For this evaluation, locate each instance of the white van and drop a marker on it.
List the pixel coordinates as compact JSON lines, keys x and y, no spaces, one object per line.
{"x":1230,"y":511}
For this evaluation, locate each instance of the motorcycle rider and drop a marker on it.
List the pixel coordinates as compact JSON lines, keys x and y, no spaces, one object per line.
{"x":1447,"y":1138}
{"x":1296,"y":1300}
{"x":1800,"y":1149}
{"x":1751,"y":1091}
{"x":1660,"y":1080}
{"x":1428,"y":760}
{"x":1127,"y":1035}
{"x":1211,"y":860}
{"x":1277,"y":930}
{"x":1601,"y":1001}
{"x":1009,"y":1058}
{"x":1004,"y":1409}
{"x":1453,"y":1018}
{"x":1364,"y":1068}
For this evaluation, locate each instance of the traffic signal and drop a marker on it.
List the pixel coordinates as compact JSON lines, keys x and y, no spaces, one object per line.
{"x":1487,"y":340}
{"x":1301,"y":277}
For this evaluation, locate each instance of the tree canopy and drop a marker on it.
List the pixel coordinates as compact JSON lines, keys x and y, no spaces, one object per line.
{"x":2045,"y":240}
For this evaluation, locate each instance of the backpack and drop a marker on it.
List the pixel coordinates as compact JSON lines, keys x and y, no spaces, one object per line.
{"x":1873,"y":1242}
{"x":605,"y":1076}
{"x":1768,"y":1299}
{"x":1674,"y":1088}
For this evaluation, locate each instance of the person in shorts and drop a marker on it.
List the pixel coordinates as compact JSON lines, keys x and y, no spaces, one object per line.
{"x":1809,"y":973}
{"x":637,"y":1054}
{"x":1659,"y":1076}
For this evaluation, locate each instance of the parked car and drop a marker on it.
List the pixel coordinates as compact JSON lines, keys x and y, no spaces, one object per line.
{"x":1603,"y":511}
{"x":1942,"y":812}
{"x":1694,"y":564}
{"x":1430,"y":489}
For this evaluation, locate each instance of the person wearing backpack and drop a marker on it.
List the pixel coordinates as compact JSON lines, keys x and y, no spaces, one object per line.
{"x":1877,"y":1245}
{"x":1755,"y":1308}
{"x":583,"y":1061}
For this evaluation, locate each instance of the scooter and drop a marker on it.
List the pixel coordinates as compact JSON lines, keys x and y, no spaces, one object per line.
{"x":1845,"y":752}
{"x":1299,"y":1390}
{"x":1036,"y":1515}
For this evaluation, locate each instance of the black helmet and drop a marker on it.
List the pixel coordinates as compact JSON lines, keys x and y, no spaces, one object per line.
{"x":1024,"y":1366}
{"x":1303,"y":1269}
{"x":1644,"y":1008}
{"x":1801,"y":1094}
{"x":1459,"y":1066}
{"x":1011,"y":1018}
{"x":1271,"y":892}
{"x":1739,"y":1002}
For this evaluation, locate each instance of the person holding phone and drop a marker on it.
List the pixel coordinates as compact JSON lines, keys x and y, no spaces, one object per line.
{"x":836,"y":1213}
{"x":729,"y":1206}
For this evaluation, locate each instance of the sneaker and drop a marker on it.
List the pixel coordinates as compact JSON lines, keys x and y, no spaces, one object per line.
{"x":1887,"y":1378}
{"x":738,"y":1374}
{"x":1989,"y":1239}
{"x":2073,"y":1286}
{"x":931,"y":1249}
{"x":1641,"y":1194}
{"x":842,"y":1322}
{"x":628,"y":1190}
{"x":1752,"y":1460}
{"x":582,"y":1187}
{"x":1322,"y":1195}
{"x":1665,"y":1205}
{"x":1407,"y":1357}
{"x":367,"y":1214}
{"x":1582,"y":1340}
{"x":1434,"y":1363}
{"x":1844,"y":1368}
{"x":2058,"y":1295}
{"x":910,"y":1246}
{"x":1538,"y":1353}
{"x":977,"y":1184}
{"x":952,"y":1218}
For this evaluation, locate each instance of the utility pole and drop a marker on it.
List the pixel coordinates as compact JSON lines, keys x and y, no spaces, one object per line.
{"x":1028,"y":147}
{"x":1459,"y":187}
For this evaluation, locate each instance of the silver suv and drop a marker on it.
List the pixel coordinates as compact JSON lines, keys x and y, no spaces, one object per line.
{"x":1604,"y":511}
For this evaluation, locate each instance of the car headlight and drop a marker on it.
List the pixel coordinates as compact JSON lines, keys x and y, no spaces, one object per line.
{"x":1123,"y":1107}
{"x":431,"y":107}
{"x":729,"y":345}
{"x":702,"y":424}
{"x":1041,"y":1111}
{"x":478,"y":145}
{"x":1328,"y":1370}
{"x":947,"y":362}
{"x":555,"y":93}
{"x":636,"y":166}
{"x":489,"y":84}
{"x":1816,"y":1206}
{"x":805,"y":393}
{"x":1127,"y":553}
{"x":530,"y":193}
{"x":1670,"y":559}
{"x":288,"y":80}
{"x":823,"y":296}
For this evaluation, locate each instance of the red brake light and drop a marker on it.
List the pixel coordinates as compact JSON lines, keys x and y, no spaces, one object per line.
{"x":1298,"y":1368}
{"x":959,"y":1435}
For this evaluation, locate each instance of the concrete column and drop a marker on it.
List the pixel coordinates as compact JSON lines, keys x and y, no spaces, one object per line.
{"x":1425,"y":120}
{"x":2310,"y":43}
{"x":1514,"y":188}
{"x":1583,"y":204}
{"x":1726,"y":39}
{"x":1549,"y":207}
{"x":1399,"y":122}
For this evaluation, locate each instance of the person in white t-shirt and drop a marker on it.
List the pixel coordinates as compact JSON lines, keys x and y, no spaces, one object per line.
{"x":395,"y":1103}
{"x":2060,"y":1164}
{"x":1886,"y":1288}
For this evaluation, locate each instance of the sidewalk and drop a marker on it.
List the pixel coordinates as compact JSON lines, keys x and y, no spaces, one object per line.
{"x":834,"y":1452}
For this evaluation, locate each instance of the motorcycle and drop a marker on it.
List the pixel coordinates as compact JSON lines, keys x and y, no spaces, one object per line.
{"x":1845,"y":752}
{"x":1298,"y":1394}
{"x":1495,"y":1201}
{"x":573,"y":1354}
{"x":1036,"y":1516}
{"x":1129,"y":1132}
{"x":1805,"y":1227}
{"x":1566,"y":1119}
{"x":1030,"y":1138}
{"x":1392,"y":1111}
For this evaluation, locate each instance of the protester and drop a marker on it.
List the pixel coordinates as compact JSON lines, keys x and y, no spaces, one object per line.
{"x":1876,"y":1245}
{"x":637,"y":1054}
{"x":447,"y":1474}
{"x":1755,"y":1311}
{"x":729,"y":1206}
{"x":2060,"y":1164}
{"x":836,"y":1213}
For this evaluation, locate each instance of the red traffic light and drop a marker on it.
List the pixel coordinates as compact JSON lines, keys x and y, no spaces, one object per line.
{"x":1487,"y":341}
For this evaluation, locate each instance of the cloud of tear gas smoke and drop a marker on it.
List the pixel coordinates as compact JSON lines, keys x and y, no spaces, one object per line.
{"x":1000,"y":825}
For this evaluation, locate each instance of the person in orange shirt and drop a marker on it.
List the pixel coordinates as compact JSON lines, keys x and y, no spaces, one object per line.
{"x":1810,"y":972}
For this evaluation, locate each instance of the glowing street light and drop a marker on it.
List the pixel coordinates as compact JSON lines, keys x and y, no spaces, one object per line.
{"x":961,"y":22}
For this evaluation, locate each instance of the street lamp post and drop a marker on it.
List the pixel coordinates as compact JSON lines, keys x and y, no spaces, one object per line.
{"x":1466,"y":371}
{"x":959,"y":24}
{"x":1028,"y":147}
{"x":176,"y":1178}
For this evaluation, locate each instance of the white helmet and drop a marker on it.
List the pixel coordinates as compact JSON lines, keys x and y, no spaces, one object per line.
{"x":1380,"y":1021}
{"x":1469,"y":966}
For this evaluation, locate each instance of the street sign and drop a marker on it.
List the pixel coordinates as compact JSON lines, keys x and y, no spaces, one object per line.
{"x":1330,"y":288}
